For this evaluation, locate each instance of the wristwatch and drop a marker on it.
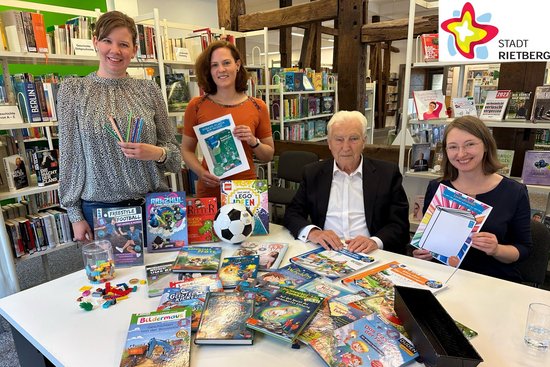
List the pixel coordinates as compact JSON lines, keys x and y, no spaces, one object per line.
{"x":255,"y":145}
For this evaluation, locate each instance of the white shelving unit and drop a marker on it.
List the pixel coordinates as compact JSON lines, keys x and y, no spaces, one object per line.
{"x":278,"y":90}
{"x":369,"y":109}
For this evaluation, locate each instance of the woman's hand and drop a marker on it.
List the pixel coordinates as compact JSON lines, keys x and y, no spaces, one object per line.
{"x":82,"y":231}
{"x":208,"y":179}
{"x":486,"y":242}
{"x":422,"y":254}
{"x":244,"y":134}
{"x":141,"y":151}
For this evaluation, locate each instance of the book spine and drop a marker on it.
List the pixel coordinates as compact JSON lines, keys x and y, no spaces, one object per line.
{"x":36,"y":166}
{"x":28,"y":31}
{"x":9,"y":174}
{"x":42,"y":100}
{"x":32,"y":101}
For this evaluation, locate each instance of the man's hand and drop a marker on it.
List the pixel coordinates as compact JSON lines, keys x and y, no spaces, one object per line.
{"x":422,"y":254}
{"x":82,"y":231}
{"x":361,"y":244}
{"x":328,"y":239}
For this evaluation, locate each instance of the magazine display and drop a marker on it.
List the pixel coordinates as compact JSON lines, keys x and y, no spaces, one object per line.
{"x":420,"y":157}
{"x":541,"y":104}
{"x":430,"y":47}
{"x":464,"y":106}
{"x":122,"y":227}
{"x":253,"y":195}
{"x":518,"y":106}
{"x":332,"y":264}
{"x":166,"y":221}
{"x":271,"y":253}
{"x":495,"y":105}
{"x":429,"y":104}
{"x":224,"y":154}
{"x":448,"y":224}
{"x":536,"y":167}
{"x":156,"y":337}
{"x":223,"y":319}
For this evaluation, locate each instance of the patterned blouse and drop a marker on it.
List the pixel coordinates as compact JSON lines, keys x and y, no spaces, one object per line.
{"x":92,"y":165}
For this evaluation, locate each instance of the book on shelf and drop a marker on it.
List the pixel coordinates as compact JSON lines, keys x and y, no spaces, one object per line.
{"x":46,"y":167}
{"x":200,"y":219}
{"x":13,"y":27}
{"x":224,"y":317}
{"x":371,"y":339}
{"x":429,"y":104}
{"x":271,"y":253}
{"x":448,"y":224}
{"x":332,"y":264}
{"x":224,"y":154}
{"x":177,"y":91}
{"x":506,"y":157}
{"x":495,"y":105}
{"x":420,"y":157}
{"x":518,"y":106}
{"x":157,"y":337}
{"x":16,"y":173}
{"x":541,"y":104}
{"x":123,"y":228}
{"x":198,"y":259}
{"x":418,"y":205}
{"x":327,"y":104}
{"x":253,"y":195}
{"x":536,"y":167}
{"x":238,"y":268}
{"x":159,"y":276}
{"x":463,"y":106}
{"x":286,"y":314}
{"x":429,"y":47}
{"x":381,"y":279}
{"x":166,"y":214}
{"x":290,"y":275}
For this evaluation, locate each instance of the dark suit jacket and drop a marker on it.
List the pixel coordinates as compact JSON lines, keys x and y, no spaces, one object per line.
{"x":386,"y":204}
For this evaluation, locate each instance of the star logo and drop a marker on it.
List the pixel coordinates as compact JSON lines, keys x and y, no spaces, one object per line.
{"x":467,"y":32}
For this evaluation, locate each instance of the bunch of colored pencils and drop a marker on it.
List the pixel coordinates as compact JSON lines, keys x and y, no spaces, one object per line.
{"x":134,"y":127}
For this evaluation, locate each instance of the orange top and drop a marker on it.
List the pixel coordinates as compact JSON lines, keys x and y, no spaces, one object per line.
{"x":252,"y":112}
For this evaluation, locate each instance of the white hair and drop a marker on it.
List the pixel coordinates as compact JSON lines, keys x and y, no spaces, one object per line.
{"x":342,"y":116}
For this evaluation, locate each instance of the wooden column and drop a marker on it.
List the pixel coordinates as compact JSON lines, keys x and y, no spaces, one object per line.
{"x":519,"y":77}
{"x":228,"y":17}
{"x":285,"y":39}
{"x":351,"y":55}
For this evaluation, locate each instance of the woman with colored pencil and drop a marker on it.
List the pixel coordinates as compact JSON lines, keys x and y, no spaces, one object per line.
{"x":115,"y":140}
{"x":223,"y":78}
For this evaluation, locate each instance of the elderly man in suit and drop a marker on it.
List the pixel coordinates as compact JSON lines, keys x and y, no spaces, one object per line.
{"x":350,"y":197}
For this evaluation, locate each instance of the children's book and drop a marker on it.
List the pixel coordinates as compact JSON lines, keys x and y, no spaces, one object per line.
{"x":369,"y":341}
{"x":448,"y":224}
{"x":506,"y":157}
{"x":382,"y":305}
{"x":420,"y":157}
{"x":326,"y":289}
{"x":536,"y":167}
{"x":46,"y":167}
{"x":235,"y":269}
{"x":380,"y":280}
{"x":495,"y":105}
{"x":429,"y":104}
{"x":417,"y":206}
{"x":261,"y":292}
{"x":271,"y":253}
{"x":286,"y":314}
{"x":212,"y":281}
{"x":518,"y":106}
{"x":224,"y":318}
{"x":253,"y":195}
{"x":224,"y":154}
{"x":157,"y":337}
{"x":463,"y":106}
{"x":332,"y":264}
{"x":198,"y":259}
{"x":291,"y":276}
{"x":166,"y":221}
{"x":123,"y":228}
{"x":541,"y":104}
{"x":16,"y":173}
{"x":159,"y":277}
{"x":200,"y":219}
{"x":176,"y":299}
{"x":430,"y":47}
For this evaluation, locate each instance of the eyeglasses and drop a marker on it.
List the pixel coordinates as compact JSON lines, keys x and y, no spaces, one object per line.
{"x":455,"y":148}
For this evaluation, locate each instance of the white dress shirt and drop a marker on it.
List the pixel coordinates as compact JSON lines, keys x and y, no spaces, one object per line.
{"x":346,"y":210}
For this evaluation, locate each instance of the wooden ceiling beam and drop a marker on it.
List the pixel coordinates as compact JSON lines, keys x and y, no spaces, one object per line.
{"x":315,"y":11}
{"x":394,"y":30}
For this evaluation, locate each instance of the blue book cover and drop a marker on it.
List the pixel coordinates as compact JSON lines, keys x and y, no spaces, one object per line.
{"x":332,"y":264}
{"x":32,"y":102}
{"x":166,"y":215}
{"x":291,"y":276}
{"x":177,"y":299}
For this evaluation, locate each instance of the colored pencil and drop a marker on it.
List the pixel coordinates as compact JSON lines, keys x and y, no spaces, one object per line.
{"x":115,"y":128}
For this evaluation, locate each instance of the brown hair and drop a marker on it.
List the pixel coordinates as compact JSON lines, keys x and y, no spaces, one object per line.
{"x":204,"y":75}
{"x":111,"y":20}
{"x":472,"y":125}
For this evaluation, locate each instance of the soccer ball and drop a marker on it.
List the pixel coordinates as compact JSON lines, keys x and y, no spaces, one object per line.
{"x":233,"y":223}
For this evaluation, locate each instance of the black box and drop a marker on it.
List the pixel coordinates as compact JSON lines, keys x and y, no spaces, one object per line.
{"x":433,"y":332}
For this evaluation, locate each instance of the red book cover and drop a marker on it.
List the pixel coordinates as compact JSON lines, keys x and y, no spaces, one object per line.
{"x":39,"y":32}
{"x":430,"y":47}
{"x":200,"y":219}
